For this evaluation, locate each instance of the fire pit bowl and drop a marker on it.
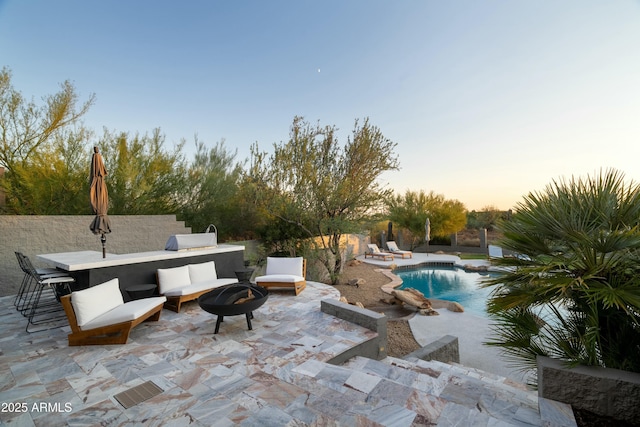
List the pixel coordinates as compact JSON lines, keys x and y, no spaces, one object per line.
{"x":233,"y":300}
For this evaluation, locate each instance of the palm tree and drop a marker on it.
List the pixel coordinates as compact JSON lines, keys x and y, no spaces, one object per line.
{"x":573,"y":290}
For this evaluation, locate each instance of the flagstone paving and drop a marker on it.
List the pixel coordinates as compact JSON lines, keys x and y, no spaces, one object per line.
{"x":278,"y":374}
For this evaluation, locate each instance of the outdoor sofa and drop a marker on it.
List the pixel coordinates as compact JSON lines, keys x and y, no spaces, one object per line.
{"x":188,"y":282}
{"x":99,"y":315}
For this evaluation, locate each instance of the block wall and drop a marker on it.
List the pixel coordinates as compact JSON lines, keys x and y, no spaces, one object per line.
{"x":33,"y":235}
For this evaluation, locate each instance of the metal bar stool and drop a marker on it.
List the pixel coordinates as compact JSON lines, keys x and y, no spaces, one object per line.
{"x":43,"y":304}
{"x":27,"y":287}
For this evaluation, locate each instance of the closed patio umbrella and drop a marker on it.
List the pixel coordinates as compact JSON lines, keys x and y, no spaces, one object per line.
{"x":427,"y":232}
{"x":99,"y":198}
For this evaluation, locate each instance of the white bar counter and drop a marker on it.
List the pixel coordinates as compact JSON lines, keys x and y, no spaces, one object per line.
{"x":89,"y":268}
{"x":87,"y":260}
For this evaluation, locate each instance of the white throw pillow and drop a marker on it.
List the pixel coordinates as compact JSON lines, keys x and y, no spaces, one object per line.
{"x":171,"y":278}
{"x":96,"y":300}
{"x":202,"y":272}
{"x":277,"y":265}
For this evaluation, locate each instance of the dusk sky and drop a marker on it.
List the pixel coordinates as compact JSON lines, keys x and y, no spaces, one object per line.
{"x":487,"y":100}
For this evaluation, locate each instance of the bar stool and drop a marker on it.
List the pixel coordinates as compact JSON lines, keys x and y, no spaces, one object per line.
{"x":25,"y":292}
{"x":43,"y":303}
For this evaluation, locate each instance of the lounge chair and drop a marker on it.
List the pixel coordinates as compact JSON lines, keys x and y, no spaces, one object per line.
{"x":284,"y":273}
{"x":394,"y":249}
{"x":375,"y":252}
{"x":98,"y":315}
{"x":495,"y":251}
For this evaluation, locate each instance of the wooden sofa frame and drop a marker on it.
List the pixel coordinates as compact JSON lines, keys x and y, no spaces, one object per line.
{"x":112,"y":334}
{"x":175,"y":302}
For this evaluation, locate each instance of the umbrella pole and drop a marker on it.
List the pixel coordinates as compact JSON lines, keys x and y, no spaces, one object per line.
{"x":103,"y":239}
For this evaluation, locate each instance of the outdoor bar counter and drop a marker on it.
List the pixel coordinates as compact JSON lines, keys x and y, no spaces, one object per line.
{"x":89,"y":268}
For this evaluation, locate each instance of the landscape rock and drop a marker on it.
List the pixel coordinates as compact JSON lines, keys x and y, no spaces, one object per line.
{"x":412,"y":297}
{"x":356,"y":282}
{"x":481,"y":268}
{"x":357,"y":304}
{"x":456,"y":307}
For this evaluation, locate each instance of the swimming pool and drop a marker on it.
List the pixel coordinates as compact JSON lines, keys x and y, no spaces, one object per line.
{"x":449,"y":284}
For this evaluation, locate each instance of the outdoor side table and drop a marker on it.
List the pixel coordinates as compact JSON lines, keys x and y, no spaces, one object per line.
{"x":141,"y":291}
{"x":244,"y":276}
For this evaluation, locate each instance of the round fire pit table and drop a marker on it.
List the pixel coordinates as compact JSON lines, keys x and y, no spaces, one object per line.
{"x":233,"y":300}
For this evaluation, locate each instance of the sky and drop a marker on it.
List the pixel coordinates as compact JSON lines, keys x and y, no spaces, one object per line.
{"x":487,"y":101}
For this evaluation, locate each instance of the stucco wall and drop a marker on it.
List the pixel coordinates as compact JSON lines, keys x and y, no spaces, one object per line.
{"x":34,"y":235}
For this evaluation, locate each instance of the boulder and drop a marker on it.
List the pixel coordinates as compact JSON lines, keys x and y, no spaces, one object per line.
{"x":412,"y":297}
{"x":473,"y":268}
{"x":356,"y":282}
{"x":455,"y":307}
{"x":357,"y":304}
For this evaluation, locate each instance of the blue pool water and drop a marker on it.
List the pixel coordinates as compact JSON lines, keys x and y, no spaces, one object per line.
{"x":449,"y":284}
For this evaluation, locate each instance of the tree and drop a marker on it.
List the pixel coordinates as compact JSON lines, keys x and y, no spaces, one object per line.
{"x":321,"y":187}
{"x":144,"y":179}
{"x":412,"y":210}
{"x":487,"y":218}
{"x":573,"y":292}
{"x":214,"y":178}
{"x":37,"y":146}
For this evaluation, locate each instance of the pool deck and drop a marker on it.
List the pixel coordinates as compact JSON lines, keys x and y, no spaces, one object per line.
{"x":278,"y":374}
{"x":471,"y":330}
{"x":422,"y":259}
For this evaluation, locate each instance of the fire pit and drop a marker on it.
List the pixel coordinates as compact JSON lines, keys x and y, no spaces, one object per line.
{"x":233,"y":300}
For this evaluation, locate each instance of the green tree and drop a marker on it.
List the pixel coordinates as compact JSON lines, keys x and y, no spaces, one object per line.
{"x":143,"y":178}
{"x":38,"y":149}
{"x":487,"y":218}
{"x":573,"y":293}
{"x":411,"y":210}
{"x":321,"y":187}
{"x":214,"y":178}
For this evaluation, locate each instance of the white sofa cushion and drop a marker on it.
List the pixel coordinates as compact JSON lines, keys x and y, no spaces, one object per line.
{"x":93,"y":302}
{"x":284,"y":278}
{"x":278,"y":265}
{"x":124,"y":313}
{"x":198,"y":287}
{"x":202,"y":272}
{"x":172,"y":278}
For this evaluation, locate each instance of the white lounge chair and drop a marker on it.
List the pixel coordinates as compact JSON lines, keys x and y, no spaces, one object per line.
{"x":394,"y":249}
{"x":375,"y":252}
{"x":495,"y":251}
{"x":284,"y":273}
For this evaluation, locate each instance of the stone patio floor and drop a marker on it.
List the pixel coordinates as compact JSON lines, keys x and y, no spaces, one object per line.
{"x":275,"y":375}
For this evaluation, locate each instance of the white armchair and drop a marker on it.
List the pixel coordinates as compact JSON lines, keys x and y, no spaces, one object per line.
{"x":284,"y":273}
